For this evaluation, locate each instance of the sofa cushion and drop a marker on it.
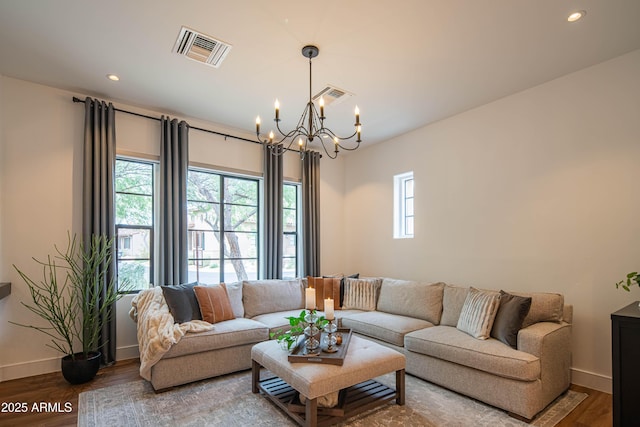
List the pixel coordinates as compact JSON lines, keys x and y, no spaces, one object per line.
{"x":412,"y":299}
{"x":545,"y":307}
{"x":492,"y":356}
{"x":277,"y":320}
{"x":387,"y":327}
{"x":230,"y":333}
{"x":452,"y":301}
{"x":214,"y":303}
{"x":361,"y":294}
{"x":478,"y":313}
{"x":511,"y":313}
{"x":182,"y":302}
{"x":270,"y":296}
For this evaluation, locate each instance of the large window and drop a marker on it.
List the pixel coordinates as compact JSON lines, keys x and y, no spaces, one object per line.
{"x":290,"y":224}
{"x":134,"y":222}
{"x":403,"y":206}
{"x":223,"y":227}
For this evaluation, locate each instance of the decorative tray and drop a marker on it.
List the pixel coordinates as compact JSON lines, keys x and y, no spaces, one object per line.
{"x":299,"y":355}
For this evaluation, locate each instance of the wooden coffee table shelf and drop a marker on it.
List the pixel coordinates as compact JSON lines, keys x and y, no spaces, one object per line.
{"x":351,"y":401}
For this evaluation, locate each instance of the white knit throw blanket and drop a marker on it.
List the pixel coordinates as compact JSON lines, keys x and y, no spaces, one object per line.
{"x":157,"y":331}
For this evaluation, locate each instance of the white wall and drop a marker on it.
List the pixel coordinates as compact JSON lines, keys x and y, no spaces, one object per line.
{"x":536,"y":191}
{"x":41,"y":133}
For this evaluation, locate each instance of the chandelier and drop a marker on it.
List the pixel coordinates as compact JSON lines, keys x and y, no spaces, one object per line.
{"x":310,"y":126}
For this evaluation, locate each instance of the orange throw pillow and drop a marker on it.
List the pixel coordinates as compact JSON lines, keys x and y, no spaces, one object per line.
{"x":214,"y":303}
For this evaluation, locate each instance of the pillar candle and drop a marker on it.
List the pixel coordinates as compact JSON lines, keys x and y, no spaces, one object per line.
{"x":310,"y":299}
{"x":328,"y":309}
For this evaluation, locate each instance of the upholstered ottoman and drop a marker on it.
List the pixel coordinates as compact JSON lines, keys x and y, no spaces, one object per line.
{"x":364,"y":360}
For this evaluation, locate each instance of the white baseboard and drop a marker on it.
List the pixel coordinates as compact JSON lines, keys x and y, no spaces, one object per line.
{"x":591,"y":380}
{"x":46,"y":366}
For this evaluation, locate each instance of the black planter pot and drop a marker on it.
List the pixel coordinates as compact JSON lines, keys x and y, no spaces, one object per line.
{"x":82,"y":369}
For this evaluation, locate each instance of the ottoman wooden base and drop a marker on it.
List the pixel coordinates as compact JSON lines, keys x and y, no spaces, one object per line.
{"x":359,"y":392}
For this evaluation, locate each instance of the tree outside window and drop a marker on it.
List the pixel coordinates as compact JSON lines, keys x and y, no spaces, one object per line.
{"x":134,"y":203}
{"x":223,"y":229}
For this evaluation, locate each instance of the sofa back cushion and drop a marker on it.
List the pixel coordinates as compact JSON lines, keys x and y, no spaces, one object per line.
{"x":545,"y":307}
{"x":270,"y":296}
{"x":326,"y":287}
{"x":411,"y":299}
{"x":361,"y":294}
{"x":452,"y":301}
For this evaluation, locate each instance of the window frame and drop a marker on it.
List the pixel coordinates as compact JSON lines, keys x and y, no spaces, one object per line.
{"x":401,"y":216}
{"x":151,"y":228}
{"x":298,"y":205}
{"x":221,"y":176}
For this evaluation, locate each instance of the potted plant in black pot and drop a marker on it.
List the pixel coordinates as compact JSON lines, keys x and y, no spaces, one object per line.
{"x":70,"y":298}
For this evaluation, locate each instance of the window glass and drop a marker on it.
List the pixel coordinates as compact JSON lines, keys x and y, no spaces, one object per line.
{"x":223,"y":228}
{"x":290,"y":218}
{"x":403,"y":206}
{"x":134,"y":204}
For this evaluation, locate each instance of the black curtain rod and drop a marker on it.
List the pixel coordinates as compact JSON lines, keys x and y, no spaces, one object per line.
{"x":76,"y":99}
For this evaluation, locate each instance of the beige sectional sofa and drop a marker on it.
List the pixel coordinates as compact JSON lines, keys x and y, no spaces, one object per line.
{"x":417,"y":319}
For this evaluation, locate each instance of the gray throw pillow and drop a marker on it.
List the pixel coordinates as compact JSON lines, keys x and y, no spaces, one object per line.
{"x":508,"y":322}
{"x":182,"y":302}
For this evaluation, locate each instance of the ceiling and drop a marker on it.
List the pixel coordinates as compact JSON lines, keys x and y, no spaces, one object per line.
{"x":408,"y":62}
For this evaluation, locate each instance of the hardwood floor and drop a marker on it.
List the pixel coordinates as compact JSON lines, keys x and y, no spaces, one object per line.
{"x":594,"y":411}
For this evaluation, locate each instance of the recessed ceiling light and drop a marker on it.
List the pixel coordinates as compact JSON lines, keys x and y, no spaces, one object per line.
{"x":575,"y":16}
{"x":113,"y":77}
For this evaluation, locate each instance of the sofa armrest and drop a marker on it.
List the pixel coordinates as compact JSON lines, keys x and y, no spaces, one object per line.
{"x":551,"y":342}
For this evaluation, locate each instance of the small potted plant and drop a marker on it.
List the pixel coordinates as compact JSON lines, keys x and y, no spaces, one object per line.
{"x":70,"y":298}
{"x":632,"y":279}
{"x":289,"y":339}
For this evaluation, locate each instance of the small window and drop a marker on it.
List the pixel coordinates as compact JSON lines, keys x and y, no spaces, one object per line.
{"x":403,"y":206}
{"x":291,"y":229}
{"x":134,"y":182}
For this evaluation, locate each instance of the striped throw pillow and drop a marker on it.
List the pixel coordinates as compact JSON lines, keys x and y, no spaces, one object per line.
{"x":478,"y":313}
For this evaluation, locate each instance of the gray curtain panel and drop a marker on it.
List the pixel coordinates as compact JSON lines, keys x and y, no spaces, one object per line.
{"x":272,"y":213}
{"x":311,"y":213}
{"x":98,"y":211}
{"x":174,"y":164}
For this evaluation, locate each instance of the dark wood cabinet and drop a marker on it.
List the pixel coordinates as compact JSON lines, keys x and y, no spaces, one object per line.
{"x":625,"y":342}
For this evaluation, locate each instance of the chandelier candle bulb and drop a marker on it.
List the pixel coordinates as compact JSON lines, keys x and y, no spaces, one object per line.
{"x":328,"y":309}
{"x":258,"y":124}
{"x":271,"y":136}
{"x":321,"y":102}
{"x":357,"y":116}
{"x":277,"y":105}
{"x":310,"y":299}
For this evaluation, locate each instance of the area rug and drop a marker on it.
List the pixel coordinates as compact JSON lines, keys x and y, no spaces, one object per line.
{"x":228,"y":401}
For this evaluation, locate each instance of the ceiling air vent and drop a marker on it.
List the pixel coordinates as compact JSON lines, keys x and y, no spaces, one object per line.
{"x":332,"y":95}
{"x":201,"y":47}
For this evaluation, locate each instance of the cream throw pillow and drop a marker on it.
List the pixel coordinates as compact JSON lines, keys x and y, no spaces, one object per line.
{"x":478,"y":313}
{"x":361,"y":294}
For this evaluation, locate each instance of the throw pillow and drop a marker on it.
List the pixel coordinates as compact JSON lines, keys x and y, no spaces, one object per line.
{"x":182,"y":302}
{"x":478,"y":313}
{"x":326,"y":287}
{"x":214,"y":303}
{"x":511,"y":313}
{"x":342,"y":277}
{"x":452,"y":302}
{"x":361,"y":294}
